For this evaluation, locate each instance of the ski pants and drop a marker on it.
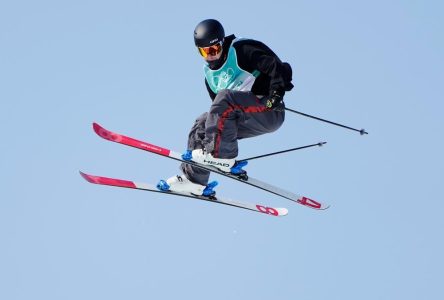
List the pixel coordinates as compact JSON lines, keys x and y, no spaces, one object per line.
{"x":233,"y":115}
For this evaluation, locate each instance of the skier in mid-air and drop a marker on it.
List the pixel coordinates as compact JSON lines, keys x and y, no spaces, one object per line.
{"x":247,"y":82}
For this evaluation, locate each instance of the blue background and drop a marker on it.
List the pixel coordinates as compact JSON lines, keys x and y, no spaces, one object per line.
{"x":132,"y":67}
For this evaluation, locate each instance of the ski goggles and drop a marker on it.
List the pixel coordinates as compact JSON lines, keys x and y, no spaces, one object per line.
{"x":211,"y":50}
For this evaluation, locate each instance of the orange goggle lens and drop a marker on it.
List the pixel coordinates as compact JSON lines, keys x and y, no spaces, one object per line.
{"x":211,"y":50}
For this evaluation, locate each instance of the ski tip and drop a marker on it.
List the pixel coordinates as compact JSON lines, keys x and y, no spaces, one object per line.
{"x":106,"y":134}
{"x":312,"y":203}
{"x":87,"y":177}
{"x":273,"y":211}
{"x":282,"y":211}
{"x":98,"y":129}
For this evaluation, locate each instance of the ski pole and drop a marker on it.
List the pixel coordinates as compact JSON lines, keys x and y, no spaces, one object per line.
{"x":283,"y":151}
{"x":362,"y":131}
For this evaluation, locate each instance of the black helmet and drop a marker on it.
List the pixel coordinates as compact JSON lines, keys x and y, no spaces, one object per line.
{"x":208,"y":32}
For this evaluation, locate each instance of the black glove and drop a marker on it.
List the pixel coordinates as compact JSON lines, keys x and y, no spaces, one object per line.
{"x":274,"y":100}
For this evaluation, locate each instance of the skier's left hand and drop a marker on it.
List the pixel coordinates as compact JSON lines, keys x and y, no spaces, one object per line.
{"x":274,"y":101}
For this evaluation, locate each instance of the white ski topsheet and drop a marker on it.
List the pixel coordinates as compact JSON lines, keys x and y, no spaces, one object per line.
{"x":152,"y":188}
{"x":125,"y":140}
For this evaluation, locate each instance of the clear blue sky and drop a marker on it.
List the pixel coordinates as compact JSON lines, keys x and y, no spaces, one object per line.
{"x":132,"y":67}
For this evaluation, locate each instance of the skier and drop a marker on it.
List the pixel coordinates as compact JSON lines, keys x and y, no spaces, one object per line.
{"x":246,"y":82}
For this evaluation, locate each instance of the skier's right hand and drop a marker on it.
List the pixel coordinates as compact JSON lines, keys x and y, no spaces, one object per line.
{"x":274,"y":101}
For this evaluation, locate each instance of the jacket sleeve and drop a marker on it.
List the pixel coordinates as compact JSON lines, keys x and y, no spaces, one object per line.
{"x":263,"y":59}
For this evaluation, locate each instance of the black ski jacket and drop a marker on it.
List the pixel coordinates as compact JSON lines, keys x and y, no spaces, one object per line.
{"x":275,"y":75}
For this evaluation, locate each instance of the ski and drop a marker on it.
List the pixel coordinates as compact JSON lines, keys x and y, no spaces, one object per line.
{"x":125,"y":140}
{"x":152,"y":188}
